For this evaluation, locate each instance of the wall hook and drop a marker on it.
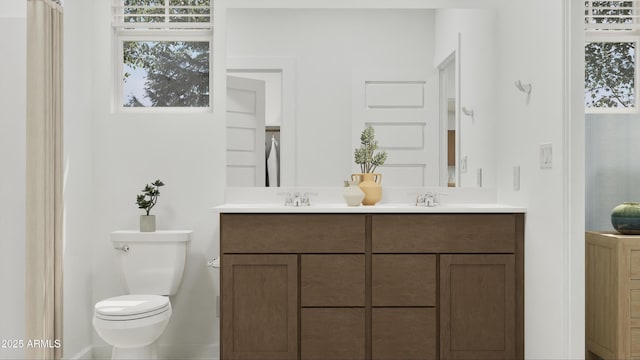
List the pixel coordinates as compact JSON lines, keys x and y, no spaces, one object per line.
{"x":466,"y":111}
{"x":525,"y":88}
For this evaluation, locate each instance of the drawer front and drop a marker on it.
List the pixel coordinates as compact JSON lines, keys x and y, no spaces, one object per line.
{"x":404,"y":280}
{"x":292,"y":233}
{"x":444,"y":233}
{"x":332,"y":334}
{"x":403,"y":333}
{"x":333,"y":280}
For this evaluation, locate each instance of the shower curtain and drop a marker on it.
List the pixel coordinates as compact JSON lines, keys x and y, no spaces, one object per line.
{"x":43,"y":247}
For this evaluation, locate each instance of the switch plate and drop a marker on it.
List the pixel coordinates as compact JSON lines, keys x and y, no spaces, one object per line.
{"x":516,"y":178}
{"x":463,"y":164}
{"x":546,"y":156}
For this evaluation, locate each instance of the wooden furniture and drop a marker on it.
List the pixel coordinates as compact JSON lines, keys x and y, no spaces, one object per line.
{"x":372,"y":286}
{"x":612,"y":295}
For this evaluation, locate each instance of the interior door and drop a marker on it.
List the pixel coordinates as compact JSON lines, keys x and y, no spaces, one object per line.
{"x":401,"y":106}
{"x":245,"y":132}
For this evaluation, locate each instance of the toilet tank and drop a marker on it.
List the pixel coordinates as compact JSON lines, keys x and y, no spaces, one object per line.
{"x":151,"y":262}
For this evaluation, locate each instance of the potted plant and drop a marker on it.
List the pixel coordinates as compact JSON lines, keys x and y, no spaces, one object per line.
{"x":146,"y":201}
{"x":365,"y":156}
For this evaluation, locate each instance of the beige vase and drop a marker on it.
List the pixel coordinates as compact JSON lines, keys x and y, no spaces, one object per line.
{"x":370,"y":186}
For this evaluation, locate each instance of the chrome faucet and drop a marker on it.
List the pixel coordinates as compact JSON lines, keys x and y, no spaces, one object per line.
{"x":428,"y":199}
{"x":296,"y":199}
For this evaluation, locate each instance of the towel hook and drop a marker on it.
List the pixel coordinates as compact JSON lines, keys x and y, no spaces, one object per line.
{"x":467,"y":111}
{"x":525,"y":88}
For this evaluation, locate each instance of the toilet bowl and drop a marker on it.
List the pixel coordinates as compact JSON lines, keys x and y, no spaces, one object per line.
{"x":150,"y":267}
{"x":132,"y":324}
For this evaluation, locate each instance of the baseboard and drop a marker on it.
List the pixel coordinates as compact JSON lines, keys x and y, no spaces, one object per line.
{"x":169,"y":352}
{"x":84,"y":354}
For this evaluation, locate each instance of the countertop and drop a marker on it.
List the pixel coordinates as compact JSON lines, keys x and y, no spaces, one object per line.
{"x":238,"y":208}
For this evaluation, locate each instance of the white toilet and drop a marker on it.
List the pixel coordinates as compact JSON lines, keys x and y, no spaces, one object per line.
{"x":150,"y":266}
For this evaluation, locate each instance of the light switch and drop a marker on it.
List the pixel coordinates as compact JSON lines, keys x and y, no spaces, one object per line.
{"x":546,"y":156}
{"x":516,"y":178}
{"x":463,"y":164}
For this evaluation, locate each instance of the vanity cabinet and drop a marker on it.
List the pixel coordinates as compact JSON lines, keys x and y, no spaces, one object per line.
{"x":372,"y":286}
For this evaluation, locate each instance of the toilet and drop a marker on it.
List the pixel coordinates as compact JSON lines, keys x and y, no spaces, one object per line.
{"x":150,"y":266}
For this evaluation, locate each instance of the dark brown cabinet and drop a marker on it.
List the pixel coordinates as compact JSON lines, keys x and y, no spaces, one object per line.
{"x":260,"y":305}
{"x":477,"y":307}
{"x":372,"y":286}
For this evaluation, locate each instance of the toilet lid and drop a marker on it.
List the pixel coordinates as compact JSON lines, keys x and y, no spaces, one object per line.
{"x":127,"y":305}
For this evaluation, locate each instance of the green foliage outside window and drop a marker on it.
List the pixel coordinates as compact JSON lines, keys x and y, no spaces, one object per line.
{"x":166,"y":73}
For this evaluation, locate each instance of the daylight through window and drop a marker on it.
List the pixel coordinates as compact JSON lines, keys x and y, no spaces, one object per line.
{"x":163,"y":53}
{"x":612,"y":35}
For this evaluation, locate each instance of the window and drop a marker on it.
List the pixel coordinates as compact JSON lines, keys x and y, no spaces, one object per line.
{"x":612,"y":35}
{"x":162,"y":53}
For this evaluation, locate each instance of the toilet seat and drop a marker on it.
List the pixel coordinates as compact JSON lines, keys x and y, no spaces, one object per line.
{"x":131,"y":307}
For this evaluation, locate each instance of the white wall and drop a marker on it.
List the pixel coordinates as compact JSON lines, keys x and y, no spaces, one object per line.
{"x":187,"y":152}
{"x":12,"y":178}
{"x":328,"y":45}
{"x":531,"y":51}
{"x":612,"y":166}
{"x":478,"y":70}
{"x":79,"y":205}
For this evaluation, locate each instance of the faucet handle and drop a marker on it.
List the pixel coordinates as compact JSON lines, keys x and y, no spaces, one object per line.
{"x":436,"y":197}
{"x":305,"y":200}
{"x":288,"y":200}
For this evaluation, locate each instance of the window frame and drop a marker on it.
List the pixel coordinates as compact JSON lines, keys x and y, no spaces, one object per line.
{"x":617,"y":37}
{"x":156,"y":31}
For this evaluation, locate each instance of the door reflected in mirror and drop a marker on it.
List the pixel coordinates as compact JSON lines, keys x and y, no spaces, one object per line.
{"x":448,"y":122}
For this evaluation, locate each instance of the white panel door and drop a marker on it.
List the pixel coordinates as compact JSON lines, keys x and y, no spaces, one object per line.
{"x":245,"y":132}
{"x":401,"y":106}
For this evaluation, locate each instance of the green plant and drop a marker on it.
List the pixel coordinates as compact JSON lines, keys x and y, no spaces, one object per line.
{"x":364,"y":156}
{"x":149,"y":197}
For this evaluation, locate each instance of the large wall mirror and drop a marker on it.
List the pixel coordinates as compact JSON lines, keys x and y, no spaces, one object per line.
{"x":303,"y":83}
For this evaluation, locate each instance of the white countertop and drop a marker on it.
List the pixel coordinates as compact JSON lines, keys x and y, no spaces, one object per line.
{"x":239,"y":208}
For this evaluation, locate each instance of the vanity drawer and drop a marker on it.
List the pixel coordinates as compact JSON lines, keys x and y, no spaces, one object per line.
{"x":292,"y":233}
{"x":332,"y":334}
{"x":444,"y":233}
{"x":332,"y":280}
{"x":404,"y":280}
{"x":404,"y":333}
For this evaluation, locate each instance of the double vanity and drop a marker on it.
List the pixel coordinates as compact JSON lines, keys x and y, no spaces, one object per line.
{"x":382,"y":282}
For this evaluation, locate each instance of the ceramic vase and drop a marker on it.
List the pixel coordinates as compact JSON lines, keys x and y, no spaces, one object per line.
{"x":369,"y":183}
{"x":625,"y":218}
{"x":352,"y":193}
{"x":147,"y":223}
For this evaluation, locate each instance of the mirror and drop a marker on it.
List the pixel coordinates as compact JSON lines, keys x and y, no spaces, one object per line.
{"x":327,"y":73}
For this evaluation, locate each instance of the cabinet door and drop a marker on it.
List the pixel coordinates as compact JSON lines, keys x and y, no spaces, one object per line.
{"x":259,"y":307}
{"x":477,"y":313}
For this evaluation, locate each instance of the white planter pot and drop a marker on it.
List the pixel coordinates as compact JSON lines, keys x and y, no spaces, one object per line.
{"x":147,"y":223}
